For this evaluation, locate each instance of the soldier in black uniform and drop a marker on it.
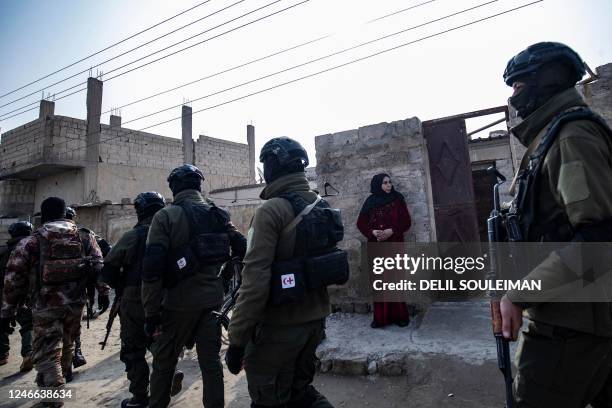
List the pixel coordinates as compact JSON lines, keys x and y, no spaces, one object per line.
{"x":123,"y":272}
{"x":564,"y":357}
{"x":292,"y":257}
{"x":78,"y":359}
{"x":186,"y":246}
{"x":17,"y":231}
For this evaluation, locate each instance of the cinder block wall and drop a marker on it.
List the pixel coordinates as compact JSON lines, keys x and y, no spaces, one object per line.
{"x":348,"y":160}
{"x":224,"y":163}
{"x":22,"y":145}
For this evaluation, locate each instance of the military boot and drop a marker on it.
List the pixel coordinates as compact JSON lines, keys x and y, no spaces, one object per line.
{"x":68,"y":375}
{"x":135,"y":403}
{"x":26,"y":364}
{"x":177,"y":383}
{"x":78,"y":359}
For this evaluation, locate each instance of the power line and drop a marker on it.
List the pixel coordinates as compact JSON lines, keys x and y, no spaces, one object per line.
{"x":141,"y":58}
{"x":106,"y":48}
{"x":274,"y":54}
{"x":314,"y":40}
{"x":317,"y":59}
{"x":473,"y":22}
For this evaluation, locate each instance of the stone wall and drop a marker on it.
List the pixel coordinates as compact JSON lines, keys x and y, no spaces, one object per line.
{"x":348,"y":160}
{"x":224,"y":163}
{"x":597,"y":93}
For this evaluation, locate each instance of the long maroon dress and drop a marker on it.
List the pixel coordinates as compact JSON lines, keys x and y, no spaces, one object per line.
{"x":394,"y":215}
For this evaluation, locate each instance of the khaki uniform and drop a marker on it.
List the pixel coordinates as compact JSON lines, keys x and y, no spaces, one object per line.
{"x":120,"y":261}
{"x":564,"y":357}
{"x":185,"y":309}
{"x":57,"y":308}
{"x":280,"y":341}
{"x":24,"y":312}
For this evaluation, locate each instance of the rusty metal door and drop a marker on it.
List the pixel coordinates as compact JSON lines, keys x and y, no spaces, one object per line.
{"x":451,"y":181}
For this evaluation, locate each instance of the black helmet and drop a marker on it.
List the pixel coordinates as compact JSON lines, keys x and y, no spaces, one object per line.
{"x":185,"y":177}
{"x":186,"y":171}
{"x":530,"y":60}
{"x":20,"y":229}
{"x":149,"y":200}
{"x":70,"y":213}
{"x":286,"y":150}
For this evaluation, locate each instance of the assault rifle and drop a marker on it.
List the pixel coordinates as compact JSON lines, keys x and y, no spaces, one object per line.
{"x":231,"y":273}
{"x":114,"y":311}
{"x":494,"y":229}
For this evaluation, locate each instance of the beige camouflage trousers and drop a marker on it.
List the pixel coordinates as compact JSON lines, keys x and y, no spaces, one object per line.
{"x":54,"y":333}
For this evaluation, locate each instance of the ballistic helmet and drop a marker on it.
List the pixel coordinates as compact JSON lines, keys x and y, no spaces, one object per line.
{"x":535,"y":56}
{"x":20,"y":229}
{"x":70,"y":213}
{"x":150,"y":201}
{"x":185,"y":177}
{"x":286,"y":150}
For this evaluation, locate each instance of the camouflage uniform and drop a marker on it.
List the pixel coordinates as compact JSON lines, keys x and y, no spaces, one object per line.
{"x":24,"y":312}
{"x":56,"y":308}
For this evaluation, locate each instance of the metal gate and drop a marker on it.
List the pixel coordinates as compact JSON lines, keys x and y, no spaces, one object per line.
{"x":451,"y":181}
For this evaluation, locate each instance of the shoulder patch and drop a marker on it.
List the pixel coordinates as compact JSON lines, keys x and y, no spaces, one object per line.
{"x":572,"y":184}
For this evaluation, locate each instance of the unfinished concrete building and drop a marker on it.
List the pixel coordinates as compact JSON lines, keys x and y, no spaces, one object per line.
{"x":100,"y":168}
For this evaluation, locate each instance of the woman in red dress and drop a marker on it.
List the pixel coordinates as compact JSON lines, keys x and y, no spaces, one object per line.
{"x":385,"y":217}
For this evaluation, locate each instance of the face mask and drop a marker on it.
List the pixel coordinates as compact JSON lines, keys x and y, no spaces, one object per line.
{"x":524,"y":102}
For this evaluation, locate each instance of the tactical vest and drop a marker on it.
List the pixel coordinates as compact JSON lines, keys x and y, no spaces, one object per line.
{"x":132,"y":273}
{"x":316,"y":261}
{"x":522,"y":221}
{"x":62,"y":260}
{"x":209,"y":243}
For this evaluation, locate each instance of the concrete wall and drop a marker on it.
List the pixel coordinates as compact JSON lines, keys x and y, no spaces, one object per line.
{"x":348,"y":160}
{"x":67,"y":185}
{"x":597,"y":93}
{"x":16,"y":197}
{"x":108,"y":220}
{"x":224,"y":163}
{"x":498,"y":151}
{"x":22,"y":145}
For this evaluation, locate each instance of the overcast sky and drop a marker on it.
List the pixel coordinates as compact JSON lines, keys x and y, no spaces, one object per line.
{"x":447,"y":74}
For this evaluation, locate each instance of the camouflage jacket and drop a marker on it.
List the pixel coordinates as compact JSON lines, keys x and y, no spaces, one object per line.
{"x":23,"y":271}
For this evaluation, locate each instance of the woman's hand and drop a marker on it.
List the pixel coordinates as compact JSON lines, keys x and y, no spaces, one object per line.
{"x":384,"y":234}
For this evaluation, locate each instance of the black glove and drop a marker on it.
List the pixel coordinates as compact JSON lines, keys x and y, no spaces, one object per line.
{"x":7,"y":324}
{"x":233,"y":359}
{"x":152,"y":326}
{"x":103,"y":303}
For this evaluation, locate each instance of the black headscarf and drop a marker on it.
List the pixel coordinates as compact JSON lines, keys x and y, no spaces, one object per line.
{"x":378,"y":198}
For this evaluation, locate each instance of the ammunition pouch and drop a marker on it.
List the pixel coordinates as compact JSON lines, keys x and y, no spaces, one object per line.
{"x":317,"y":262}
{"x":208,"y":244}
{"x":60,"y":271}
{"x":62,"y":261}
{"x":291,"y":279}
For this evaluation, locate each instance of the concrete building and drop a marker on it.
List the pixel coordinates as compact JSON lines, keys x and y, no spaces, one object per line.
{"x":92,"y":164}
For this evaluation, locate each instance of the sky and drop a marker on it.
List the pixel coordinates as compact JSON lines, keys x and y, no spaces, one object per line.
{"x":446,"y":74}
